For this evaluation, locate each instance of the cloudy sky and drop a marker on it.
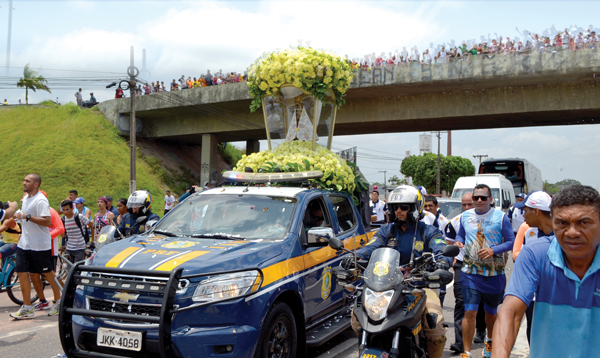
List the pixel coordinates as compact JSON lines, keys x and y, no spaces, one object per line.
{"x":86,"y":44}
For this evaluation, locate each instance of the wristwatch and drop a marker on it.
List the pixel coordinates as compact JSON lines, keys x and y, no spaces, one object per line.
{"x":28,"y":217}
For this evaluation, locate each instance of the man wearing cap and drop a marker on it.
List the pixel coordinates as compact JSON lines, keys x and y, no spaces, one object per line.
{"x":110,"y":206}
{"x":536,"y":213}
{"x":81,"y":209}
{"x":515,"y":214}
{"x":563,"y":273}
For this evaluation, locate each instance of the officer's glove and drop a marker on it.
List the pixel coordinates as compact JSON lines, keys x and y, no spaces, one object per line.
{"x":348,"y":261}
{"x":442,"y":264}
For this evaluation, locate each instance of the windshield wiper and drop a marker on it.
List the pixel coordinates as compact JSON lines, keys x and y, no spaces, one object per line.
{"x":219,"y":236}
{"x":166,"y":233}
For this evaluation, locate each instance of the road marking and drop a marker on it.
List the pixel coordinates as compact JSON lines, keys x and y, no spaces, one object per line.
{"x":37,"y":328}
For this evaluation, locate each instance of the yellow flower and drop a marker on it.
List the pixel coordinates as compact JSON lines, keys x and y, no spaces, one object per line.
{"x":263,"y":86}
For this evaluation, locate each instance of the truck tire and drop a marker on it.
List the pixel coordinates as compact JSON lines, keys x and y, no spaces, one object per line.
{"x":279,"y":337}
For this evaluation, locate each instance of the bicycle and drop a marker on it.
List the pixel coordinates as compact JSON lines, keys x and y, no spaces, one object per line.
{"x":9,"y":280}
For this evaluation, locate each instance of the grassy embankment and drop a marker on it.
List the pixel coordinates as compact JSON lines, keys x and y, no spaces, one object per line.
{"x":71,"y":149}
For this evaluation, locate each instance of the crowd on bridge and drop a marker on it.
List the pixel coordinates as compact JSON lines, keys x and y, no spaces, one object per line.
{"x":208,"y":79}
{"x":550,"y":40}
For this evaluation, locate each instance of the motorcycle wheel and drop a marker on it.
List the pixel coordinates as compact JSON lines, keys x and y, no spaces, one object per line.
{"x":278,"y":338}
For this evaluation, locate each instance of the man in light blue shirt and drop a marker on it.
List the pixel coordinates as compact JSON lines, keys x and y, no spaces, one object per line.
{"x":564,"y":276}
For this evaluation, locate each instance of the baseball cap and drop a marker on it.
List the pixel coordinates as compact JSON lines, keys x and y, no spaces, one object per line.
{"x":521,"y":195}
{"x":108,"y":197}
{"x":79,"y":200}
{"x":536,"y":200}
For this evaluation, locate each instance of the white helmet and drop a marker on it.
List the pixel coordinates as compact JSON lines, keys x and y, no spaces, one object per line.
{"x":406,"y":195}
{"x":140,"y":199}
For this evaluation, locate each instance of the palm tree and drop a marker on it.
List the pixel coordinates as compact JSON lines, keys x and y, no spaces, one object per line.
{"x":31,"y":80}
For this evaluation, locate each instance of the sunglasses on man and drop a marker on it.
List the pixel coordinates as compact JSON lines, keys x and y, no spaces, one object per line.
{"x":482,"y":197}
{"x":403,"y":207}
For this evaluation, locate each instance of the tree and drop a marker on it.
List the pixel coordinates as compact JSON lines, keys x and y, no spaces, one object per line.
{"x":423,"y":170}
{"x":394,"y":180}
{"x":32,"y":81}
{"x":555,"y":188}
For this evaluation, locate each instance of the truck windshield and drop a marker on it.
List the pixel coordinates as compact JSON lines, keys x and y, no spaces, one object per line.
{"x":245,"y":216}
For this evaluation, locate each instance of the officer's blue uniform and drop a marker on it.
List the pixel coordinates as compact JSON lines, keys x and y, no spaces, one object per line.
{"x":128,"y":222}
{"x":429,"y":239}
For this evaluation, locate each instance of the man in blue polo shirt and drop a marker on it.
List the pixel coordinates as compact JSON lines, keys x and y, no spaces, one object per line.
{"x":564,"y":276}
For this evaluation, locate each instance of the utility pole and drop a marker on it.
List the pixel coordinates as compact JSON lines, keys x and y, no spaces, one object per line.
{"x":10,"y":8}
{"x":449,"y":150}
{"x":480,"y":156}
{"x":132,"y":71}
{"x":384,"y":182}
{"x":437,"y":176}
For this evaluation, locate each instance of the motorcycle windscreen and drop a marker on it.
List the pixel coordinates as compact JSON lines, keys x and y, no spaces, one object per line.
{"x":106,"y":236}
{"x":383,"y":272}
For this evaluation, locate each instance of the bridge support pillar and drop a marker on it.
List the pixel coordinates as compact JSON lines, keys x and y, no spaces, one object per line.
{"x":208,"y":165}
{"x":252,"y":146}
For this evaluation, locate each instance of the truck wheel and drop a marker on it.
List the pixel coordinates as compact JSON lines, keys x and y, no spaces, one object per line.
{"x":278,"y":338}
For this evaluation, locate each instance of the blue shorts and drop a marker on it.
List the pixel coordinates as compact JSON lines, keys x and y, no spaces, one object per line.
{"x":472,"y":295}
{"x":7,"y":249}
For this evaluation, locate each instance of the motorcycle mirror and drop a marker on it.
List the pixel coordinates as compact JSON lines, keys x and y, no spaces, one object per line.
{"x":140,"y":219}
{"x":336,"y":243}
{"x":450,"y":251}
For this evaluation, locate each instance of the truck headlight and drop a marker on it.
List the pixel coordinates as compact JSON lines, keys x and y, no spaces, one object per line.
{"x":227,"y":286}
{"x":376,"y":303}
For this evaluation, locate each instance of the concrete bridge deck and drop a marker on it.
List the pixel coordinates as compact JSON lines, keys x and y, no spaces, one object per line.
{"x":488,"y":91}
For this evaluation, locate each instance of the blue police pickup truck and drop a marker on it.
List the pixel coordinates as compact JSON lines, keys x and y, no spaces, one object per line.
{"x":229,"y":272}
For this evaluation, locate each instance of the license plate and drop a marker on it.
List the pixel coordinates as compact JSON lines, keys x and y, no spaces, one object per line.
{"x":115,"y":338}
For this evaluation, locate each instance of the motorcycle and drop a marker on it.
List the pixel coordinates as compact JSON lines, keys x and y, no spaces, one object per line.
{"x":391,"y":304}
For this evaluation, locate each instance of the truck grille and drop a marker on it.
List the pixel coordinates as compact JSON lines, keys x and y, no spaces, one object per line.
{"x":118,"y":307}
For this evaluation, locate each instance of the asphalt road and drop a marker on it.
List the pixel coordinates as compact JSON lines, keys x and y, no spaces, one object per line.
{"x":38,"y":337}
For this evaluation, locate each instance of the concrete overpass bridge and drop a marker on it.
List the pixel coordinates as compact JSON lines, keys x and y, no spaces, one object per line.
{"x":488,"y":91}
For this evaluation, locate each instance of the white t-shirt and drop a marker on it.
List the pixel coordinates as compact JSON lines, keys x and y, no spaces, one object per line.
{"x":35,"y":237}
{"x":169,"y":201}
{"x":517,"y":219}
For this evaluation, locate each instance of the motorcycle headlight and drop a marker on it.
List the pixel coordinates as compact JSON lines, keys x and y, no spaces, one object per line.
{"x":376,"y":303}
{"x":227,"y":286}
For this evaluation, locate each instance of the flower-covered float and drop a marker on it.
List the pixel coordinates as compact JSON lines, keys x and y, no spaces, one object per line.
{"x":300,"y":91}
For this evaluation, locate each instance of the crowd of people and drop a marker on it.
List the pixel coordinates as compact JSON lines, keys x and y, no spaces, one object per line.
{"x":554,"y":244}
{"x":208,"y":79}
{"x":551,"y":40}
{"x":554,"y":281}
{"x":38,"y":233}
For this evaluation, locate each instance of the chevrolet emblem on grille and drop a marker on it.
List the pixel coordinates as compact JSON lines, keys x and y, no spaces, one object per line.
{"x":125,"y":296}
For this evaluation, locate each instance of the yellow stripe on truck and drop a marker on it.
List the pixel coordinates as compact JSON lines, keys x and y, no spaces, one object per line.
{"x":118,"y":258}
{"x":291,"y":266}
{"x":171,"y":264}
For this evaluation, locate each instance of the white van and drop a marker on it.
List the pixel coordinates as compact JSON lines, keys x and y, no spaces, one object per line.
{"x":502,"y":188}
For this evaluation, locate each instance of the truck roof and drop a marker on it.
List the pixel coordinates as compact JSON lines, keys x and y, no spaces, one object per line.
{"x":256,"y":190}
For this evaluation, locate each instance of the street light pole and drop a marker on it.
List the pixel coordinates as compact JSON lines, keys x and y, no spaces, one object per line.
{"x":132,"y":72}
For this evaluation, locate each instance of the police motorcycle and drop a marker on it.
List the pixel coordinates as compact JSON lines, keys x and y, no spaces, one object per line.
{"x":390,"y":305}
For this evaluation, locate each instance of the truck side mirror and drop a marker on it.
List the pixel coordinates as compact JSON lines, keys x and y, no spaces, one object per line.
{"x":505,"y":204}
{"x":319,"y":236}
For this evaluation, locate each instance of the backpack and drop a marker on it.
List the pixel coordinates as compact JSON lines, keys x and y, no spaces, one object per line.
{"x":84,"y":233}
